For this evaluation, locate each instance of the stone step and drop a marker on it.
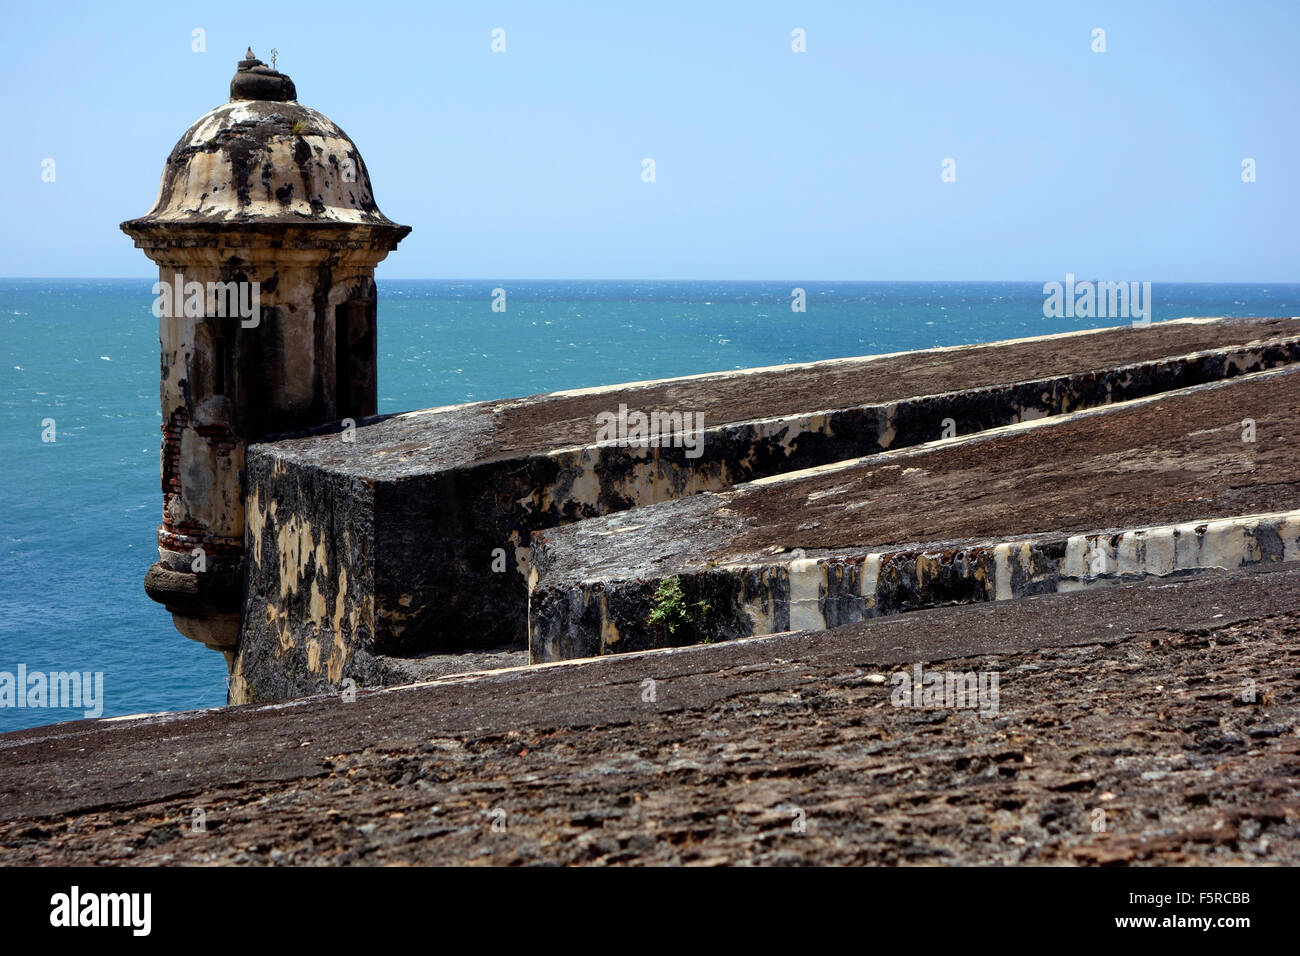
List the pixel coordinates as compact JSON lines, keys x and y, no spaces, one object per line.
{"x":1154,"y":486}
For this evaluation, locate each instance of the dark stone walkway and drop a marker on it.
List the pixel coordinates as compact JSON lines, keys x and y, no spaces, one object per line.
{"x":1172,"y":708}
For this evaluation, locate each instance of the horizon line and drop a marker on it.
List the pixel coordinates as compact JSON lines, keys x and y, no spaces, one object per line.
{"x":1287,"y":282}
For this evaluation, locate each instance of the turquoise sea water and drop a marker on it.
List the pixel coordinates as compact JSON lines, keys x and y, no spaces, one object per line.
{"x":79,"y":514}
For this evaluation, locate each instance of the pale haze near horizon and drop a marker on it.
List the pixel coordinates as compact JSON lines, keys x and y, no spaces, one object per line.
{"x":770,"y":164}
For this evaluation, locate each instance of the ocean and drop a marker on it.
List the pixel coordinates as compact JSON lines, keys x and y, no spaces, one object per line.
{"x":79,"y":513}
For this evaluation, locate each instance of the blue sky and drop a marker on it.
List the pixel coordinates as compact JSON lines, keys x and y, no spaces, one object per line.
{"x":769,"y":164}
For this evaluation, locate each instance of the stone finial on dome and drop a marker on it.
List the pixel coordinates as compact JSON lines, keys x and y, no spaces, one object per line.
{"x":254,"y":80}
{"x":264,"y":161}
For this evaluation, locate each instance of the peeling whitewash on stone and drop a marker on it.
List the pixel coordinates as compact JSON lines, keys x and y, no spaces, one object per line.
{"x":436,"y":528}
{"x":802,"y":593}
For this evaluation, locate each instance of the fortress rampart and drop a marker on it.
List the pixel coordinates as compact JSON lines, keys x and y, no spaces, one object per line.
{"x":411,"y":536}
{"x":315,"y":543}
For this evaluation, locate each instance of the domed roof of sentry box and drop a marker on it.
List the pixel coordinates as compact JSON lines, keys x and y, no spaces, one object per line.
{"x":265,"y":159}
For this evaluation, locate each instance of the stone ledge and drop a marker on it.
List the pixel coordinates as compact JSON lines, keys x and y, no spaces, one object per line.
{"x":1000,"y":514}
{"x":391,"y":447}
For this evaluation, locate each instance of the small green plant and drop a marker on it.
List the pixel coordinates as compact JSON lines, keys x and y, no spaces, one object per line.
{"x":299,"y":127}
{"x":671,"y":613}
{"x":275,"y":55}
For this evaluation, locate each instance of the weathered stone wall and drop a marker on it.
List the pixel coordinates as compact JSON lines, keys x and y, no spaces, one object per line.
{"x":453,"y":512}
{"x":308,"y":617}
{"x":606,"y":617}
{"x":1156,"y":486}
{"x":227,"y":380}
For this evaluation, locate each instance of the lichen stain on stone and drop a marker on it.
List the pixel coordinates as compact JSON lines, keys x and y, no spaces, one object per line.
{"x":278,"y":621}
{"x":1027,"y":413}
{"x":295,"y":547}
{"x":928,"y":567}
{"x":340,"y":653}
{"x":238,"y":686}
{"x":980,"y":575}
{"x":787,"y":432}
{"x":887,"y":432}
{"x":316,"y":609}
{"x":576,"y":484}
{"x":256,"y":519}
{"x":609,"y":635}
{"x":523,"y":558}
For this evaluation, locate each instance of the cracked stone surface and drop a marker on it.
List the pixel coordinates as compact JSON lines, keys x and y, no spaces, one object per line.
{"x":1172,"y":707}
